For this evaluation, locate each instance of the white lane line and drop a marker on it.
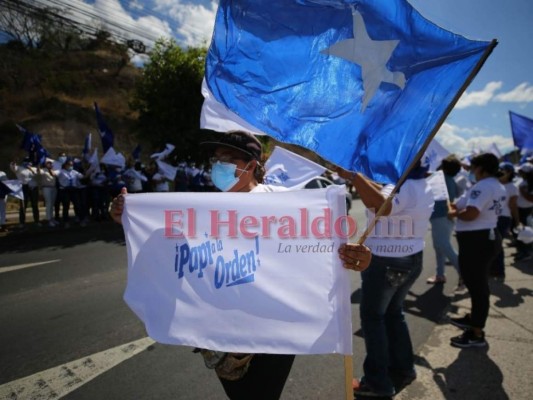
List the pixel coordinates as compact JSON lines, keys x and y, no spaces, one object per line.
{"x":59,"y":381}
{"x":22,"y":266}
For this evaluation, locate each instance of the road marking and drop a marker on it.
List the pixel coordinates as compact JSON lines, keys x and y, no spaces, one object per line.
{"x":22,"y":266}
{"x":57,"y":382}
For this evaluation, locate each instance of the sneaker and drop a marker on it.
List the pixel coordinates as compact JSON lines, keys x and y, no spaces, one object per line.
{"x":366,"y":391}
{"x":469,"y":339}
{"x":463,"y":323}
{"x":436,"y":279}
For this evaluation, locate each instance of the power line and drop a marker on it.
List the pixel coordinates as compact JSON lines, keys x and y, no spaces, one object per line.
{"x":114,"y":22}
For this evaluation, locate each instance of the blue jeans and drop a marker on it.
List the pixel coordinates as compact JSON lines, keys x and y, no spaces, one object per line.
{"x":441,"y":233}
{"x":388,"y":343}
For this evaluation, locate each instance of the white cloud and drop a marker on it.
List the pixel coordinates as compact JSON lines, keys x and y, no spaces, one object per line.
{"x":461,"y":141}
{"x":523,"y":93}
{"x":479,"y":98}
{"x":194,"y":21}
{"x":135,"y":5}
{"x":146,"y":29}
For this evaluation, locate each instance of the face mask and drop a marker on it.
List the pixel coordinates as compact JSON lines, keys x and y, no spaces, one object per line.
{"x":223,"y":175}
{"x":70,"y":168}
{"x":472,"y":177}
{"x":62,"y":159}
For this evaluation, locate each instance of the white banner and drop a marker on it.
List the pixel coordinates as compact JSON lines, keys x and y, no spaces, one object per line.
{"x":438,"y":186}
{"x":241,"y":272}
{"x":285,"y":168}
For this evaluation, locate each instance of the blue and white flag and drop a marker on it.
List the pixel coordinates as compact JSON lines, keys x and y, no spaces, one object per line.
{"x":522,"y":129}
{"x":363,"y":83}
{"x":94,"y":163}
{"x":207,"y":270}
{"x":285,"y":168}
{"x":14,"y":188}
{"x":105,"y":132}
{"x":31,"y":142}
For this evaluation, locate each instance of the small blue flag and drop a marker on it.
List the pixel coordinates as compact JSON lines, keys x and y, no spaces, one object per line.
{"x":522,"y":129}
{"x":31,"y":143}
{"x":363,"y":83}
{"x":136,"y":153}
{"x":105,"y":132}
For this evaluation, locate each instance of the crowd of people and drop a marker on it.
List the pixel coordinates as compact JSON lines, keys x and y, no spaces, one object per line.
{"x":71,"y":183}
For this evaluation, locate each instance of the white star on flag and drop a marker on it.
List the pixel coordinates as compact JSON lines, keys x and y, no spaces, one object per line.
{"x":371,"y":55}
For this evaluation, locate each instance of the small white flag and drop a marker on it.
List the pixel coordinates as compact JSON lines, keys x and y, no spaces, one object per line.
{"x":111,"y":157}
{"x":285,"y":168}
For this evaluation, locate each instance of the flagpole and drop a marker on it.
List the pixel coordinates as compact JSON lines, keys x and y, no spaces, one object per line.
{"x":348,"y":360}
{"x":348,"y":376}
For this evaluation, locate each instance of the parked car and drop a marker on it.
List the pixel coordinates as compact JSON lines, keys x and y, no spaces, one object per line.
{"x":320,"y":182}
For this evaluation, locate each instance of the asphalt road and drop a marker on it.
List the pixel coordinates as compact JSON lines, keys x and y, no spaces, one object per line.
{"x":71,"y":308}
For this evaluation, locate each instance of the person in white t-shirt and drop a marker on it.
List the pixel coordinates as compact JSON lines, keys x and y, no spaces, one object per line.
{"x":236,"y":167}
{"x":397,"y":243}
{"x":477,"y":214}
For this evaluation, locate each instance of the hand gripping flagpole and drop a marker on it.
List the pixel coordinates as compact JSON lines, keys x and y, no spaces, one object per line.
{"x":348,"y":360}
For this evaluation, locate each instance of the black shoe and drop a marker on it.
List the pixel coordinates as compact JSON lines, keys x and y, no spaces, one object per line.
{"x":468,"y":339}
{"x":401,"y":381}
{"x":463,"y":323}
{"x":366,"y":391}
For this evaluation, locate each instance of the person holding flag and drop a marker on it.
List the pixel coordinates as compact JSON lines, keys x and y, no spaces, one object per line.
{"x":396,"y":243}
{"x":236,"y":167}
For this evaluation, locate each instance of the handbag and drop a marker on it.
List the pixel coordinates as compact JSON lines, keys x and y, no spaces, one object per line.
{"x":229,"y":366}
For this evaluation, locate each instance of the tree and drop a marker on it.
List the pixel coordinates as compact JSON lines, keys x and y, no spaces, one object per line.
{"x":38,"y":27}
{"x":168,"y":96}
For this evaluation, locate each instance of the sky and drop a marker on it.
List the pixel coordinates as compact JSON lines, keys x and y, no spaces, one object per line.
{"x":480,"y":118}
